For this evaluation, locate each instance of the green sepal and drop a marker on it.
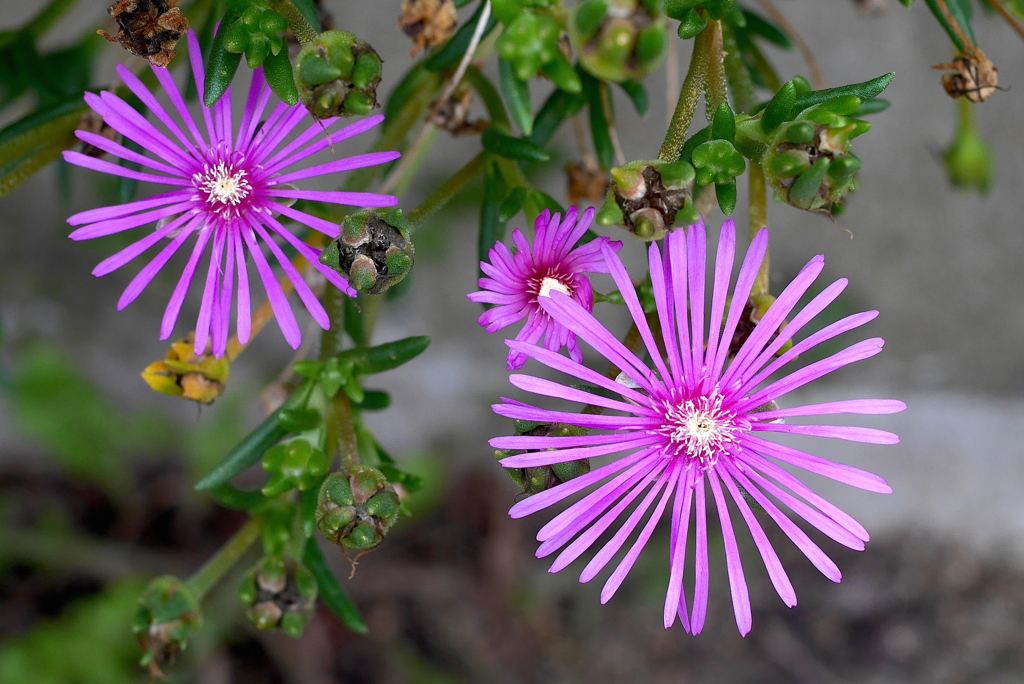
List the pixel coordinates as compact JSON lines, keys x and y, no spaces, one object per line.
{"x":517,"y":97}
{"x":332,"y":593}
{"x":779,"y":108}
{"x":221,"y":64}
{"x":521,"y":149}
{"x":278,"y":72}
{"x":316,"y":71}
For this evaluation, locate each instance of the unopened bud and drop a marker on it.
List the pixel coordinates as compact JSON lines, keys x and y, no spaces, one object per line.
{"x":356,"y":507}
{"x":338,"y":75}
{"x":295,"y":464}
{"x":184,"y":374}
{"x":279,"y":593}
{"x":618,"y":40}
{"x":168,"y":615}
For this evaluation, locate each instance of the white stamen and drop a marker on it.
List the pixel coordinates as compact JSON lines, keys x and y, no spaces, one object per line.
{"x":223,"y":185}
{"x":700,"y":428}
{"x":549,"y":284}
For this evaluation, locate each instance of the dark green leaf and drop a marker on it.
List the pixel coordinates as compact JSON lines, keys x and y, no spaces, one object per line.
{"x":308,"y":10}
{"x":865,"y":91}
{"x":278,"y":71}
{"x":521,"y":149}
{"x":599,"y":123}
{"x":779,"y":108}
{"x":251,"y":448}
{"x":238,"y":499}
{"x":332,"y":593}
{"x":492,"y":226}
{"x":491,"y":99}
{"x":307,"y":509}
{"x":699,"y":138}
{"x":760,"y":26}
{"x":387,"y":356}
{"x":375,"y":400}
{"x":962,"y":13}
{"x":221,"y":66}
{"x":512,"y":205}
{"x":637,"y":94}
{"x":452,"y":51}
{"x":725,"y":193}
{"x":723,"y":126}
{"x":517,"y":97}
{"x":559,"y":106}
{"x":872,"y":106}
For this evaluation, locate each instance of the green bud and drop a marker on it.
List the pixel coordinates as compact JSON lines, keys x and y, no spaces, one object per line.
{"x":338,"y":75}
{"x":272,"y":24}
{"x":316,"y":71}
{"x":356,"y":507}
{"x":651,"y":44}
{"x":618,"y":40}
{"x":374,"y":251}
{"x":367,"y":70}
{"x":717,"y":161}
{"x":798,"y":132}
{"x":167,"y":616}
{"x":257,"y":50}
{"x":236,"y":37}
{"x":692,"y":23}
{"x":842,"y":169}
{"x":251,"y":18}
{"x":589,"y":16}
{"x":969,"y":157}
{"x":295,"y":464}
{"x":528,"y":43}
{"x":279,"y":593}
{"x":609,"y":214}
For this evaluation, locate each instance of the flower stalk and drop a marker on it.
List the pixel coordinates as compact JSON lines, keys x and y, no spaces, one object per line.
{"x":689,"y":94}
{"x":758,"y":218}
{"x":303,"y":30}
{"x":211,"y":572}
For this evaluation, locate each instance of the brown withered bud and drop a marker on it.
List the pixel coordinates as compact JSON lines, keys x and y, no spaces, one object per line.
{"x":92,"y":122}
{"x":428,"y":22}
{"x":974,"y":77}
{"x":588,"y":182}
{"x":148,"y":28}
{"x":453,"y":114}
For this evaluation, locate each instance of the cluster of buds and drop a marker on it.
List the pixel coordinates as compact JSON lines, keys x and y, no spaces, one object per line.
{"x":531,"y":42}
{"x":374,"y":250}
{"x":619,"y":40}
{"x":338,"y":75}
{"x":295,"y":464}
{"x":168,"y":615}
{"x":693,"y":15}
{"x":184,"y":374}
{"x":649,"y":198}
{"x":258,"y":33}
{"x":279,"y":593}
{"x":536,"y":480}
{"x":356,"y":507}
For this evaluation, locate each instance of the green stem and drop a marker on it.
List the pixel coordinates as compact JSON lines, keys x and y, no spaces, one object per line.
{"x":715,"y":87}
{"x":689,"y":95}
{"x":371,"y":307}
{"x":446,"y":191}
{"x":331,"y":339}
{"x":758,"y":211}
{"x":736,"y":73}
{"x":303,"y":30}
{"x":221,"y":562}
{"x":343,"y":427}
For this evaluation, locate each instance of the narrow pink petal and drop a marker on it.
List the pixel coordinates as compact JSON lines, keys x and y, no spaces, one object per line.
{"x":737,"y":583}
{"x":116,"y":261}
{"x":723,"y":273}
{"x":311,"y":255}
{"x":854,"y":406}
{"x":222,"y":325}
{"x":551,"y":496}
{"x":211,"y":292}
{"x":276,"y":134}
{"x":359,"y":161}
{"x":278,"y":301}
{"x":121,"y":210}
{"x":255,"y":104}
{"x":551,"y":456}
{"x":779,"y":578}
{"x":120,"y":116}
{"x":171,"y":88}
{"x":548,"y":388}
{"x":675,"y":601}
{"x":741,"y":293}
{"x":700,"y":583}
{"x":244,"y":324}
{"x":348,"y":199}
{"x":79,"y":159}
{"x":119,"y":225}
{"x":178,"y":296}
{"x":287,"y":155}
{"x":147,"y":98}
{"x":149,"y":271}
{"x":596,"y":422}
{"x":849,"y":433}
{"x":313,"y":305}
{"x":661,"y":285}
{"x":111,"y":147}
{"x":626,"y":564}
{"x":697,"y":247}
{"x":814,"y":554}
{"x":677,"y":271}
{"x":855,"y":477}
{"x":195,"y":58}
{"x":318,"y":224}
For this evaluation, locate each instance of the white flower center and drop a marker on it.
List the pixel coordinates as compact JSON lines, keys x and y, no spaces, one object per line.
{"x":225,"y":186}
{"x":548,"y":284}
{"x":700,"y":429}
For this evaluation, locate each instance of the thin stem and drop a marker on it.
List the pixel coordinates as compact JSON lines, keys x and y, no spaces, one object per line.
{"x":371,"y":309}
{"x":1014,"y":24}
{"x":671,"y":78}
{"x":580,"y":134}
{"x":817,"y":80}
{"x":474,"y":42}
{"x":758,"y":213}
{"x":715,"y":88}
{"x":744,"y":97}
{"x":221,"y":562}
{"x":968,"y":44}
{"x":609,"y":116}
{"x":689,"y":95}
{"x":341,"y":430}
{"x":446,"y":191}
{"x":332,"y":339}
{"x":303,"y":30}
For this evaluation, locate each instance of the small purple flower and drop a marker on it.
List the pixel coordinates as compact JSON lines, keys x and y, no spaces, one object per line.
{"x":519,"y":281}
{"x":228,"y":191}
{"x":694,"y":421}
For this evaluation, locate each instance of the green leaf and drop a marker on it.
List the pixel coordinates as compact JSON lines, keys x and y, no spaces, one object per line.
{"x":517,"y":97}
{"x":559,"y":106}
{"x":725,"y":193}
{"x":389,"y":355}
{"x":760,"y":26}
{"x":278,"y":71}
{"x":865,"y":91}
{"x":723,"y":125}
{"x":521,"y":149}
{"x":637,"y":95}
{"x":375,"y":400}
{"x":251,"y":448}
{"x":872,"y":106}
{"x":307,"y":509}
{"x":238,"y":499}
{"x":221,"y":65}
{"x":779,"y":108}
{"x":699,"y":138}
{"x":452,"y":51}
{"x":332,"y":593}
{"x":491,"y":99}
{"x":599,"y":123}
{"x":492,"y":225}
{"x":512,"y":205}
{"x":962,"y":13}
{"x":354,"y":323}
{"x":409,"y":482}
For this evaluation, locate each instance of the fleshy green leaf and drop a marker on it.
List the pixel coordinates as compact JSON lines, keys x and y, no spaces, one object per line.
{"x":332,"y":593}
{"x":221,"y":65}
{"x":521,"y":149}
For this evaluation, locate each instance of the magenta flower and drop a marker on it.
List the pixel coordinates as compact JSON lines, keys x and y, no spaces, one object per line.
{"x":518,"y":281}
{"x":228,"y":191}
{"x":695,"y":420}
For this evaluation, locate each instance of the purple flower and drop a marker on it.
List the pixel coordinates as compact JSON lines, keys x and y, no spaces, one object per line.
{"x":228,"y":190}
{"x":519,"y":281}
{"x":694,"y":421}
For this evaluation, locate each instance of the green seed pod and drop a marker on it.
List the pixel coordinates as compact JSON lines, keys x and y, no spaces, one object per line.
{"x":646,"y":198}
{"x":295,"y":464}
{"x":353,"y":90}
{"x":625,"y":42}
{"x":374,"y":250}
{"x":167,"y":616}
{"x":356,"y":507}
{"x":843,"y":169}
{"x":279,"y":593}
{"x":536,"y":480}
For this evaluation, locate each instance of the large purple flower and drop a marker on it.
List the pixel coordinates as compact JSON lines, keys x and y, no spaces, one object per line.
{"x":696,"y":420}
{"x":228,"y":191}
{"x":519,"y":281}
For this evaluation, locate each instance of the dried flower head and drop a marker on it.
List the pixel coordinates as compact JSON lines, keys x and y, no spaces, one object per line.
{"x":428,"y":22}
{"x":695,"y":418}
{"x":148,"y":28}
{"x":974,"y":77}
